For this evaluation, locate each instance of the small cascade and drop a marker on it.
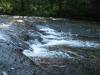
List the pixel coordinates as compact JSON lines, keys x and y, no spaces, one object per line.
{"x":51,"y":38}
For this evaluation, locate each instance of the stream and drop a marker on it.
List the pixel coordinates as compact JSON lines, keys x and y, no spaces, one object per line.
{"x":48,"y":46}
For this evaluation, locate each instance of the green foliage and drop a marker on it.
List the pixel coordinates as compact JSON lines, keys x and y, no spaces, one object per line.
{"x":58,"y":8}
{"x":5,"y":6}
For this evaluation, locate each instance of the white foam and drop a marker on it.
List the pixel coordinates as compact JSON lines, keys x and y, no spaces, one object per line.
{"x":20,"y":20}
{"x":48,"y":30}
{"x":51,"y":37}
{"x":40,"y":51}
{"x":43,"y":53}
{"x":55,"y":38}
{"x":16,"y":17}
{"x":3,"y":36}
{"x":45,"y":28}
{"x":75,"y":43}
{"x":4,"y":25}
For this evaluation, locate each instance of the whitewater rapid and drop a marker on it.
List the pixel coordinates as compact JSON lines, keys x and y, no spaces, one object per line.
{"x":53,"y":38}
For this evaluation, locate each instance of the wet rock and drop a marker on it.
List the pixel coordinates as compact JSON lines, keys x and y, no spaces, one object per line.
{"x":4,"y":73}
{"x":9,"y":57}
{"x":18,"y":44}
{"x":29,"y":36}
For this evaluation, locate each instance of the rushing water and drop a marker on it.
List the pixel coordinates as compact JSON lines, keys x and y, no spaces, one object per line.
{"x":53,"y":38}
{"x":51,"y":42}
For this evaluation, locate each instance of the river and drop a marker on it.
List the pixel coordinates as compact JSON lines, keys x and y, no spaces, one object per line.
{"x":48,"y":46}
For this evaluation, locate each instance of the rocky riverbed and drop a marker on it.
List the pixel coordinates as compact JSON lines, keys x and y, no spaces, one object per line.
{"x":48,"y":46}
